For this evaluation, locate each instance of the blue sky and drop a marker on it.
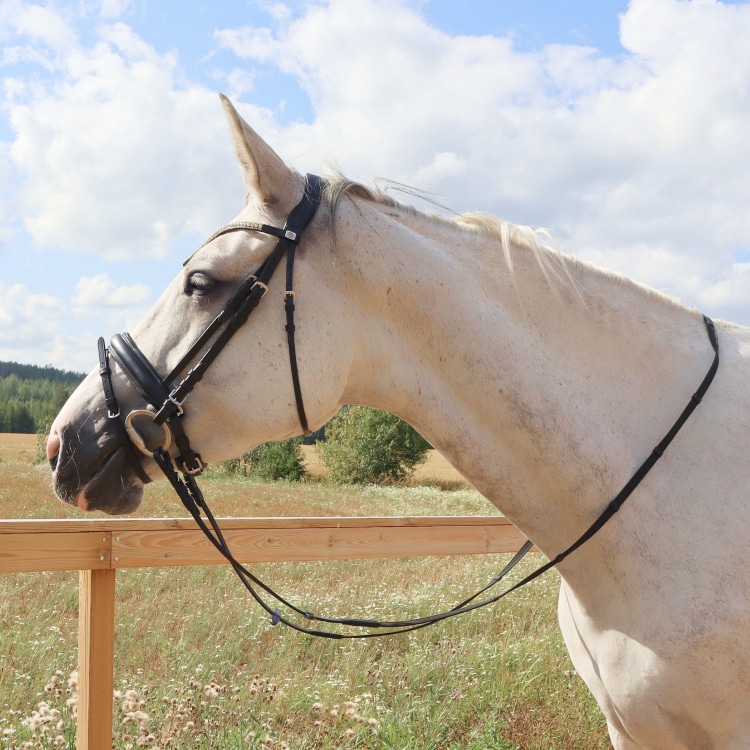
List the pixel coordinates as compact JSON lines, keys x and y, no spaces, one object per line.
{"x":620,"y":126}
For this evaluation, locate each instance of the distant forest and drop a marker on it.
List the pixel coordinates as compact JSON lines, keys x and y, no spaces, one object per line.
{"x":30,"y":396}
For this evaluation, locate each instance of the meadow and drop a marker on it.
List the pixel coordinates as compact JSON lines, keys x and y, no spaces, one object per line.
{"x":198,"y":664}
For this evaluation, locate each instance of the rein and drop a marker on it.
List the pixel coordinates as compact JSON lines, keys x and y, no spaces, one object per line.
{"x":168,"y":402}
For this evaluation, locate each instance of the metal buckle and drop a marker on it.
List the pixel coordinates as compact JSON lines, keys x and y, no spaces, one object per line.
{"x":135,"y":436}
{"x":198,"y":470}
{"x":178,"y":404}
{"x":290,"y":235}
{"x":263,"y":286}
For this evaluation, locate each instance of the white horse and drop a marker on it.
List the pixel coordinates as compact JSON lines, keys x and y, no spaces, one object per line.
{"x":544,"y":381}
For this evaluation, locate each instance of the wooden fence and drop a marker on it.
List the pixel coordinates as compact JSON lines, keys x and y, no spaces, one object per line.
{"x":97,"y":548}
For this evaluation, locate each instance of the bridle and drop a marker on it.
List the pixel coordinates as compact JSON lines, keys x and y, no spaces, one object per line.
{"x":168,"y":403}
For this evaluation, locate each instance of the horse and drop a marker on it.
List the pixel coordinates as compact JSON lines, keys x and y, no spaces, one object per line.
{"x":543,"y":380}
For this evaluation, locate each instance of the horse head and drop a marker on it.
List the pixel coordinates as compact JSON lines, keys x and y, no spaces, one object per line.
{"x":246,"y":396}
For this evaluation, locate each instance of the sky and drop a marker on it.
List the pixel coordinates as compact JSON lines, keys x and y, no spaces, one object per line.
{"x":621,"y":127}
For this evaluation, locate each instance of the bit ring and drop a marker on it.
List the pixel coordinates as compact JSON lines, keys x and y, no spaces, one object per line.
{"x":135,"y":436}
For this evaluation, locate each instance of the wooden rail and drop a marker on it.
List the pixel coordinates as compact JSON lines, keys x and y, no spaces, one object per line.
{"x":97,"y":548}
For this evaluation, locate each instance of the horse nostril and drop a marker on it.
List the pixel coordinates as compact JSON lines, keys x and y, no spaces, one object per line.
{"x":53,"y":448}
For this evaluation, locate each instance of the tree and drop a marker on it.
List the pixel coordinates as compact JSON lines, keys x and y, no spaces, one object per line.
{"x":369,"y":446}
{"x":271,"y":461}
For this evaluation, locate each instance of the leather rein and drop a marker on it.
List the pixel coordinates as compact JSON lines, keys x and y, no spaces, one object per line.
{"x":168,"y":402}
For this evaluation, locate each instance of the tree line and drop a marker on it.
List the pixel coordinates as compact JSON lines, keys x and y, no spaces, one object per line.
{"x":31,"y":396}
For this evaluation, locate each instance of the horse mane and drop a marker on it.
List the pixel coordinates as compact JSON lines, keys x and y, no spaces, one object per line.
{"x":512,"y":237}
{"x":564,"y":273}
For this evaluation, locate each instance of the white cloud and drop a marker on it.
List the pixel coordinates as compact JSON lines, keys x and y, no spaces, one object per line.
{"x":42,"y":26}
{"x":638,"y":162}
{"x":35,"y":328}
{"x":99,"y":292}
{"x":108,"y":307}
{"x":730,"y":293}
{"x":29,"y":323}
{"x":114,"y":8}
{"x":115,"y":152}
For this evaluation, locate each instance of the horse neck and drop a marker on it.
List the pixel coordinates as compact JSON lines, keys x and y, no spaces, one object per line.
{"x":545,"y":384}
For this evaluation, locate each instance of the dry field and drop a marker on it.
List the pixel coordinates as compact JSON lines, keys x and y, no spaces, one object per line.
{"x":434,"y":471}
{"x":197,"y":665}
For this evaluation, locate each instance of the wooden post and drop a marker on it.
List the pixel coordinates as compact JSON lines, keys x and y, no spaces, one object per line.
{"x":96,"y":633}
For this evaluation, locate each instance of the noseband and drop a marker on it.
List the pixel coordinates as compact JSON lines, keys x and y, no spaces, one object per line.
{"x":168,"y":401}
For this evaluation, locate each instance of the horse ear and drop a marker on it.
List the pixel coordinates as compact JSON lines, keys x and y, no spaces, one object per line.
{"x":265,"y":175}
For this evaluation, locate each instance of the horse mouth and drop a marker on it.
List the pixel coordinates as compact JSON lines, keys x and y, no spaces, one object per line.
{"x":99,"y":480}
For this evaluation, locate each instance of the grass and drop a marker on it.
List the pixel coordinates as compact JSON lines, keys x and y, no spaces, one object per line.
{"x":198,"y":665}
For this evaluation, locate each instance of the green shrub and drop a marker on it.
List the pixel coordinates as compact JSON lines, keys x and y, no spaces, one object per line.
{"x":270,"y":461}
{"x":42,"y":432}
{"x":369,"y":446}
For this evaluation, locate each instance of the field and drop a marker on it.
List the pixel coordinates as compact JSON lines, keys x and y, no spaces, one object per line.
{"x":198,"y":664}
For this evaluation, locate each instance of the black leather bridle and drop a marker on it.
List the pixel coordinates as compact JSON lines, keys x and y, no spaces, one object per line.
{"x":168,"y":400}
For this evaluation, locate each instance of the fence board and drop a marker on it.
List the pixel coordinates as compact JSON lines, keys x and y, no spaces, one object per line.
{"x":70,"y":544}
{"x":25,"y":552}
{"x":71,"y":525}
{"x":131,"y":549}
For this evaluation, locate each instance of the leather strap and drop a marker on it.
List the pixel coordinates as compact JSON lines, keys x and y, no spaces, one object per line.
{"x":113,"y":412}
{"x":140,"y":372}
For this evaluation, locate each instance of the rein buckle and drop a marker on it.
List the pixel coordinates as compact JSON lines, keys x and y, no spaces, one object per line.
{"x":198,"y":466}
{"x":178,"y":404}
{"x":260,"y":284}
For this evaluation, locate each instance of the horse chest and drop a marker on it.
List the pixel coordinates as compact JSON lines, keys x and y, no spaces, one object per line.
{"x":677,"y":692}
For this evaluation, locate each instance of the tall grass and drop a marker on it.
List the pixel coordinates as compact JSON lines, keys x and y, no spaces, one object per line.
{"x":197,"y":665}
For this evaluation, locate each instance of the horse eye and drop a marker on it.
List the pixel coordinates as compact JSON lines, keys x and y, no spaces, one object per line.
{"x":199,"y":283}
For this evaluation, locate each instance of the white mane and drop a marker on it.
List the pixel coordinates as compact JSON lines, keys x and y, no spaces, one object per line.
{"x":563,"y":271}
